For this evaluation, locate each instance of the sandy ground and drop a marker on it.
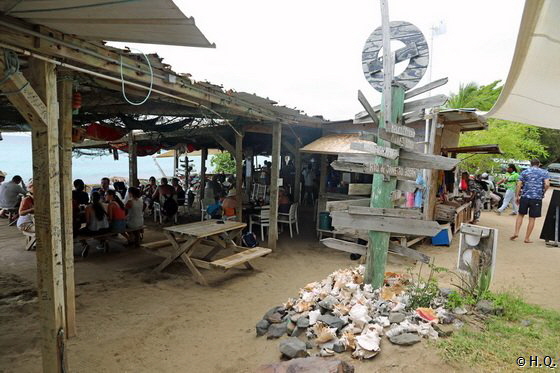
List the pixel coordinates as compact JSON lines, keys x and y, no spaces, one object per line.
{"x":129,"y":321}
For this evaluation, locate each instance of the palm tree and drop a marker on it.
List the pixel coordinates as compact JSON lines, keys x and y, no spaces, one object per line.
{"x":471,"y":95}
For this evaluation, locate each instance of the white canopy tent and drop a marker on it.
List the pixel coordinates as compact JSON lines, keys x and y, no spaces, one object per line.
{"x":531,"y":91}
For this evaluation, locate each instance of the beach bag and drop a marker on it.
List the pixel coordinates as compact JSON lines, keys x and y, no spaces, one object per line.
{"x":170,"y":206}
{"x":249,"y":240}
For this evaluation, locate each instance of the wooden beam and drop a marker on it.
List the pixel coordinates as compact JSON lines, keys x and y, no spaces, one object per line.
{"x":343,"y":205}
{"x":402,"y":173}
{"x":289,"y":147}
{"x":239,"y":175}
{"x":24,"y":98}
{"x":425,"y":88}
{"x":203,"y":158}
{"x":385,"y":224}
{"x":322,"y":201}
{"x":46,"y":185}
{"x":388,"y":212}
{"x":400,"y":141}
{"x":372,"y":148}
{"x":225,"y":144}
{"x":408,"y":252}
{"x":274,"y":176}
{"x":297,"y":179}
{"x":65,"y":158}
{"x":427,"y":161}
{"x":411,"y":106}
{"x":357,"y":189}
{"x":363,"y":100}
{"x":132,"y":161}
{"x":355,"y":248}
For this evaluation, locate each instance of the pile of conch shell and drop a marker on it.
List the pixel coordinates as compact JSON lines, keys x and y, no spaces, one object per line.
{"x":364,"y":312}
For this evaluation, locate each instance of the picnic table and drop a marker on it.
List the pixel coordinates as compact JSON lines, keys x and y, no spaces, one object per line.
{"x":212,"y":236}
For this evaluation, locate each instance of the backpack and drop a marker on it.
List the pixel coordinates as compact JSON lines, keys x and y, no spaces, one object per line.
{"x":170,"y":206}
{"x":249,"y":240}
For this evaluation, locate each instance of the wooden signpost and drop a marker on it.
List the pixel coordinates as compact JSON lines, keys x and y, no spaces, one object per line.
{"x":388,"y":224}
{"x":376,"y":169}
{"x":375,"y":149}
{"x":400,"y":141}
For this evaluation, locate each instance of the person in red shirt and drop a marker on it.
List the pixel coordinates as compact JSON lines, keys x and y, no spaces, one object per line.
{"x":115,"y":212}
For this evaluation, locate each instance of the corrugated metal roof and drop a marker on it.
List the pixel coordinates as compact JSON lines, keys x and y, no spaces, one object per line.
{"x":141,"y":21}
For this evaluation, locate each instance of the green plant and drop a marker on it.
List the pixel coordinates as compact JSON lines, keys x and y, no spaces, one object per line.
{"x":422,"y":292}
{"x":223,"y":162}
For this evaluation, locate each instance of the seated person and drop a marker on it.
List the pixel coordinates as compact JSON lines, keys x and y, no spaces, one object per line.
{"x":10,"y":192}
{"x":230,"y":204}
{"x":105,"y":186}
{"x":215,"y":209}
{"x":135,"y":214}
{"x":115,"y":212}
{"x":25,"y":221}
{"x":163,"y":190}
{"x":179,"y":191}
{"x":284,"y":202}
{"x":120,"y":188}
{"x":79,"y":199}
{"x":79,"y":193}
{"x":96,"y":216}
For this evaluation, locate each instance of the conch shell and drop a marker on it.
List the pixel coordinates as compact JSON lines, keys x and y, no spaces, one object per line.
{"x":367,"y":344}
{"x":323,"y":333}
{"x":341,"y":309}
{"x":302,"y":306}
{"x":348,"y":339}
{"x":359,"y":315}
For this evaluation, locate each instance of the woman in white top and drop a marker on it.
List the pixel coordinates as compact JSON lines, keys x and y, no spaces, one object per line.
{"x":96,"y":216}
{"x":26,"y":209}
{"x":135,"y":215}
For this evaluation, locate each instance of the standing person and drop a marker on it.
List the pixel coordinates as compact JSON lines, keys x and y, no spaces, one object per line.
{"x":510,"y":181}
{"x":531,"y":187}
{"x":25,"y":221}
{"x":474,"y":193}
{"x":115,"y":212}
{"x":135,"y":214}
{"x":308,"y":183}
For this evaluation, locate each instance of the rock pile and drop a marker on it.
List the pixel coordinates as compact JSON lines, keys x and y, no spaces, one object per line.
{"x":341,"y":313}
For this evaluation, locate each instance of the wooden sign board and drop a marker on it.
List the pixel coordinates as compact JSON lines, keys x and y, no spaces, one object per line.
{"x":425,"y":88}
{"x":428,"y":161}
{"x":343,"y":205}
{"x":363,"y":100}
{"x":390,"y":212}
{"x":402,"y":185}
{"x":400,"y":130}
{"x":372,"y":148}
{"x":341,"y":219}
{"x":400,"y":141}
{"x":354,"y":248}
{"x":425,"y":103}
{"x":359,"y":189}
{"x":402,"y":173}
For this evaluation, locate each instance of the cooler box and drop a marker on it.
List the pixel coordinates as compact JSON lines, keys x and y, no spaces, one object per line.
{"x":443,"y":238}
{"x":325,"y":221}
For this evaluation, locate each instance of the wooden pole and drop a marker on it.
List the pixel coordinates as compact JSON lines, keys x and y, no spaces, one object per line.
{"x":239,"y":175}
{"x":48,"y":213}
{"x":248,"y":170}
{"x":297,"y":180}
{"x":383,"y":186}
{"x":203,"y":157}
{"x":175,"y":163}
{"x":274,"y":175}
{"x":132,"y":161}
{"x":65,"y":158}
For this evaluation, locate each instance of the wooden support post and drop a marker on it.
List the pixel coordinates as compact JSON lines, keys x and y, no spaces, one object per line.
{"x":274,"y":176}
{"x":239,"y":175}
{"x":383,"y":186}
{"x":322,"y":201}
{"x":248,"y":170}
{"x":175,"y":163}
{"x":132,"y":161}
{"x":46,"y":186}
{"x":297,"y":181}
{"x":65,"y":157}
{"x":203,"y":157}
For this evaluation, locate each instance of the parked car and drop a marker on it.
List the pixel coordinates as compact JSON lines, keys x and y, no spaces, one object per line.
{"x":554,"y":171}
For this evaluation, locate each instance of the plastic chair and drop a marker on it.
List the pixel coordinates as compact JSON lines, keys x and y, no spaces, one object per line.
{"x":262,"y":219}
{"x":290,"y":218}
{"x":204,"y":215}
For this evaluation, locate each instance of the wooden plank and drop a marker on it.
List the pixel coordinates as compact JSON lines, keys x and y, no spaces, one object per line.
{"x":132,"y":161}
{"x":400,"y":141}
{"x":408,"y":252}
{"x":425,"y":103}
{"x":371,"y":168}
{"x":400,"y":130}
{"x":225,"y":144}
{"x":322,"y":202}
{"x":28,"y":103}
{"x":297,"y":181}
{"x":390,"y":212}
{"x":239,"y":176}
{"x":425,"y":88}
{"x":375,"y":149}
{"x":207,"y":228}
{"x":240,"y":258}
{"x":363,"y":100}
{"x":65,"y":158}
{"x":159,"y":244}
{"x":385,"y":224}
{"x":359,"y":189}
{"x":413,"y":116}
{"x":349,"y":247}
{"x":406,"y":186}
{"x":427,"y":161}
{"x":48,"y":214}
{"x":343,"y":205}
{"x":274,"y":176}
{"x":203,"y":159}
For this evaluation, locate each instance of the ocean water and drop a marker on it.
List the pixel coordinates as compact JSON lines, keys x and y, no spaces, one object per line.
{"x":16,"y":159}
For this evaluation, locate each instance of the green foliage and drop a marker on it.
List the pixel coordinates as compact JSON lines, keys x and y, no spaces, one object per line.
{"x":522,"y":330}
{"x":421,"y":291}
{"x":223,"y":162}
{"x":518,"y":141}
{"x":455,"y":299}
{"x":550,"y":138}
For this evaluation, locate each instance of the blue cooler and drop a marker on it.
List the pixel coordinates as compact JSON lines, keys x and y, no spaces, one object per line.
{"x":443,"y":238}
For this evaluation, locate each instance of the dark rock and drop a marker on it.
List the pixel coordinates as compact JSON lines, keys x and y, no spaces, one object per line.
{"x":308,"y":364}
{"x":290,"y":327}
{"x":339,"y":347}
{"x":447,"y":318}
{"x":277,"y":309}
{"x":297,"y":332}
{"x":332,"y":321}
{"x":296,"y":316}
{"x":262,"y":327}
{"x":445,"y":292}
{"x":276,"y":330}
{"x":309,"y":345}
{"x":275,"y":318}
{"x":293,"y":347}
{"x":396,"y":317}
{"x":303,"y":322}
{"x":405,"y":339}
{"x":485,"y":307}
{"x":328,"y":303}
{"x":443,"y":330}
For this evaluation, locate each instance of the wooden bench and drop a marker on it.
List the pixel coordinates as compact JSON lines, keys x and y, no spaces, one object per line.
{"x":103,"y":238}
{"x":242,"y":257}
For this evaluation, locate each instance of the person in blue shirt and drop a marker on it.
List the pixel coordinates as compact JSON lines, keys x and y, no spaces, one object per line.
{"x":531,"y":187}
